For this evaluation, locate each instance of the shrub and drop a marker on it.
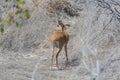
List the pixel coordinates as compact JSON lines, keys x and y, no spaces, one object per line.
{"x":56,"y":7}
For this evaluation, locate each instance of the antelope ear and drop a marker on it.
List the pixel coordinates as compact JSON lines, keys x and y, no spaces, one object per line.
{"x":58,"y":26}
{"x":59,"y":21}
{"x":68,"y":25}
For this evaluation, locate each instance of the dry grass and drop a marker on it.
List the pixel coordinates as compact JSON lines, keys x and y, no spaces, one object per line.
{"x":93,"y":49}
{"x":56,"y":7}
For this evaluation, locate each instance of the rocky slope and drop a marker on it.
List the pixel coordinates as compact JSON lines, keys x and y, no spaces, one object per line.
{"x":93,"y":49}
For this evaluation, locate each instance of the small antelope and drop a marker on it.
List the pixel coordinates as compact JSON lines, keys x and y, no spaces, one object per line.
{"x":59,"y":40}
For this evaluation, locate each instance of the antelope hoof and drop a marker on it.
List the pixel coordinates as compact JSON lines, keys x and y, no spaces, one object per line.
{"x":55,"y":68}
{"x":66,"y":63}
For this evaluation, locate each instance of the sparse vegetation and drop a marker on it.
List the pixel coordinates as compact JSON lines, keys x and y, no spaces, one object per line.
{"x":12,"y":12}
{"x":57,"y":8}
{"x":93,"y":48}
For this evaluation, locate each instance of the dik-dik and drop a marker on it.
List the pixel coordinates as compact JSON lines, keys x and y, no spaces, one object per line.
{"x":59,"y":40}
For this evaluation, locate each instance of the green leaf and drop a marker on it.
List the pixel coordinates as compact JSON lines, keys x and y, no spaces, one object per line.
{"x":16,"y":6}
{"x":7,"y":0}
{"x":27,"y":15}
{"x":20,"y":1}
{"x":17,"y":24}
{"x":1,"y":30}
{"x":11,"y":19}
{"x":5,"y":23}
{"x":0,"y":20}
{"x":19,"y":11}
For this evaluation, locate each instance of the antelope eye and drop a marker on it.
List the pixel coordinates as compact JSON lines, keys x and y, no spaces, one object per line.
{"x":58,"y":26}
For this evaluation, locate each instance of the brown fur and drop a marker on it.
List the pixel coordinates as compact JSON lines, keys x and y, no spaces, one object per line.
{"x":59,"y":40}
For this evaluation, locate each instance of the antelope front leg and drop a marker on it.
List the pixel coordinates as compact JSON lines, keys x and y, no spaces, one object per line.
{"x":52,"y":59}
{"x":53,"y":54}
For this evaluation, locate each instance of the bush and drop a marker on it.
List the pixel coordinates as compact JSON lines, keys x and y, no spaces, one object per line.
{"x":13,"y":13}
{"x":56,"y":7}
